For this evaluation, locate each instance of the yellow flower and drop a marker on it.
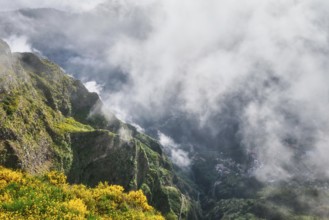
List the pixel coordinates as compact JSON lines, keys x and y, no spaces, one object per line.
{"x":10,"y":176}
{"x":53,"y":198}
{"x":56,"y":178}
{"x":139,"y":199}
{"x":77,"y":205}
{"x":5,"y":197}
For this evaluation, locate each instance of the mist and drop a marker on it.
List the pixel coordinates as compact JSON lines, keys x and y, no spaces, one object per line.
{"x":212,"y":76}
{"x":72,"y":5}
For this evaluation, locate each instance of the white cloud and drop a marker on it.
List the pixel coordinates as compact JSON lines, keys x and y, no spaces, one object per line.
{"x":177,"y":155}
{"x":72,"y":5}
{"x":273,"y":54}
{"x":19,"y":44}
{"x":196,"y":58}
{"x":125,"y":134}
{"x":92,"y":86}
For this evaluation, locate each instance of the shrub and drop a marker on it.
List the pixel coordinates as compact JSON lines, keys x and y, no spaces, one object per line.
{"x":23,"y":196}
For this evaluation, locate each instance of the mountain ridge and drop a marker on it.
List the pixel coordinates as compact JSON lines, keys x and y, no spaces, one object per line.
{"x":49,"y":121}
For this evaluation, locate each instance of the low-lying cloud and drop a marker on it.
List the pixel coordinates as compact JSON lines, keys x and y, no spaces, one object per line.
{"x":224,"y":75}
{"x":92,"y":86}
{"x":176,"y":154}
{"x":272,"y":55}
{"x":18,"y":44}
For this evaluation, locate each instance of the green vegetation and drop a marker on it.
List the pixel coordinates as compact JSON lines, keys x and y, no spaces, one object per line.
{"x":294,"y":202}
{"x":71,"y":125}
{"x":49,"y":121}
{"x":10,"y":104}
{"x":23,"y":196}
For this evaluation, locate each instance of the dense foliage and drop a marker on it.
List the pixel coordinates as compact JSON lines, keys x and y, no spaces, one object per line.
{"x":23,"y":196}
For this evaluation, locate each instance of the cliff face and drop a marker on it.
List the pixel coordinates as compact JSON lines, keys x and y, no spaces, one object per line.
{"x":49,"y":121}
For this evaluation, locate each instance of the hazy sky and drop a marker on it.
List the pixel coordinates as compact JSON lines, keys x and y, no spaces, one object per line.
{"x":201,"y":73}
{"x":67,"y":5}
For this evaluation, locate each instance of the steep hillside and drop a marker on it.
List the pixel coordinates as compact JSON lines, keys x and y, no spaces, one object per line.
{"x":49,"y":121}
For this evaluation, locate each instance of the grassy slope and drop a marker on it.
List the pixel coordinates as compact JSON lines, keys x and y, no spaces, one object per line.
{"x":45,"y":125}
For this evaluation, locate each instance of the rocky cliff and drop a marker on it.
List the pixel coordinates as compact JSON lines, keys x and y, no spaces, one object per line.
{"x":49,"y":121}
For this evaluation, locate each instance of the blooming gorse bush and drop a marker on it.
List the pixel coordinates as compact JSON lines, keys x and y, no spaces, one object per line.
{"x":23,"y":196}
